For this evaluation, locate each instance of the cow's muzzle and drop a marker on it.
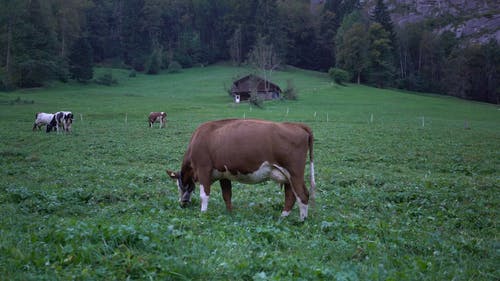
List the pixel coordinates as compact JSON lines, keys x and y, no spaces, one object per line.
{"x":185,"y":199}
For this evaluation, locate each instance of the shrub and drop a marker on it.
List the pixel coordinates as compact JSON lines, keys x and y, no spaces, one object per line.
{"x":256,"y":100}
{"x":290,"y":92}
{"x":338,"y":75}
{"x":174,"y":67}
{"x":153,"y":65}
{"x":132,"y":73}
{"x":106,"y":79}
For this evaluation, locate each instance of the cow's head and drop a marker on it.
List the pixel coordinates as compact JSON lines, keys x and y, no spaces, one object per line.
{"x":185,"y":184}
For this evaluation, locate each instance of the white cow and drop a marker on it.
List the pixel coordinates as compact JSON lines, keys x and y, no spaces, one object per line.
{"x":42,"y":119}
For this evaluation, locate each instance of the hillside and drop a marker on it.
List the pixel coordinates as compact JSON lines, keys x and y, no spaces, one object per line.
{"x":476,"y":21}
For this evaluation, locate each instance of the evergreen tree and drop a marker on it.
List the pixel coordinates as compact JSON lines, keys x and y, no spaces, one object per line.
{"x":80,"y":60}
{"x":380,"y":54}
{"x":267,"y":20}
{"x":329,"y":23}
{"x":104,"y":29}
{"x":333,"y":14}
{"x":381,"y":15}
{"x":35,"y":57}
{"x":136,"y":43}
{"x":301,"y":38}
{"x":352,"y":49}
{"x":473,"y":72}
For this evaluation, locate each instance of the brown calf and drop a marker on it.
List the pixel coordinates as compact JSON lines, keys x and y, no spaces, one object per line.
{"x":160,"y":117}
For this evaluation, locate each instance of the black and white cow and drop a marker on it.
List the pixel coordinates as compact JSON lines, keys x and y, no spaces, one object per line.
{"x":64,"y":120}
{"x":61,"y":120}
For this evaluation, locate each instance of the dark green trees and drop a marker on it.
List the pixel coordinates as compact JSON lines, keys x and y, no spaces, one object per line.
{"x":80,"y":60}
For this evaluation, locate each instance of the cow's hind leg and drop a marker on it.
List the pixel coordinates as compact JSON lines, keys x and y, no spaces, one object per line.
{"x":302,"y":194}
{"x":289,"y":200}
{"x":225,"y":185}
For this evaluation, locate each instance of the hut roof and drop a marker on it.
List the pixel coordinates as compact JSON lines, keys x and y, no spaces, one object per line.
{"x":251,"y":83}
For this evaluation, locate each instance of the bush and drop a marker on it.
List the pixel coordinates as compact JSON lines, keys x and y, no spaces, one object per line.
{"x":154,"y":63}
{"x":338,"y":75}
{"x":290,"y":92}
{"x":107,"y":80}
{"x":256,"y":100}
{"x":132,"y":73}
{"x":174,"y":67}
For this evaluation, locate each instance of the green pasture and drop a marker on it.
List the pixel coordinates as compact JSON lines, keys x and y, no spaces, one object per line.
{"x":407,"y":185}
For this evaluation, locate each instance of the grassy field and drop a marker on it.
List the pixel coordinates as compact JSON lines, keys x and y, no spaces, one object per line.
{"x":408,"y":186}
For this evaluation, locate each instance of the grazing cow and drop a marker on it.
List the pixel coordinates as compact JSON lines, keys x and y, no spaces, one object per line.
{"x":42,"y":119}
{"x":64,"y":120}
{"x":160,"y":117}
{"x":248,"y":151}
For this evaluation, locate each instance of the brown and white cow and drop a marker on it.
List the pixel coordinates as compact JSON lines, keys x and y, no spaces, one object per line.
{"x":160,"y":117}
{"x":248,"y":151}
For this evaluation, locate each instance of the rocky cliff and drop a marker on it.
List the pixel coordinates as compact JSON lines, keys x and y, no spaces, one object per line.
{"x":472,"y":20}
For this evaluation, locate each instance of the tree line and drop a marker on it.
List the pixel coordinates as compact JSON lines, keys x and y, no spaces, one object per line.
{"x":63,"y":39}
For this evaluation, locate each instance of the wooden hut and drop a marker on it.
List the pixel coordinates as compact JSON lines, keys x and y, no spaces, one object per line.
{"x":243,"y":87}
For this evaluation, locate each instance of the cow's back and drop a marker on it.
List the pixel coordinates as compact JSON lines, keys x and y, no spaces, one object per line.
{"x":243,"y":145}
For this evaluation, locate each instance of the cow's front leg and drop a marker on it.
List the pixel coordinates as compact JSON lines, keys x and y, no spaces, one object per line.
{"x":204,"y":196}
{"x":225,"y":185}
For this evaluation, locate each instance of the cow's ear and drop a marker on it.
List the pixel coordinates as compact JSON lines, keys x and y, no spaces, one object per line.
{"x":173,"y":175}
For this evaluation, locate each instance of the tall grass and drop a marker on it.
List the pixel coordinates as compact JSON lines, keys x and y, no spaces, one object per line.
{"x":407,"y":186}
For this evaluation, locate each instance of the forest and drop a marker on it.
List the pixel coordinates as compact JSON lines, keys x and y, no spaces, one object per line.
{"x":42,"y":41}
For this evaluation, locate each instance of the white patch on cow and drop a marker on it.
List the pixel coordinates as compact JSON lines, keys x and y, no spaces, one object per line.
{"x":204,"y":198}
{"x":285,"y":214}
{"x":265,"y":172}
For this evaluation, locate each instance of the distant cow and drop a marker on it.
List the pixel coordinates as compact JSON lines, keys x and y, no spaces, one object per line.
{"x":45,"y":119}
{"x":248,"y":151}
{"x":160,"y":117}
{"x":64,"y":120}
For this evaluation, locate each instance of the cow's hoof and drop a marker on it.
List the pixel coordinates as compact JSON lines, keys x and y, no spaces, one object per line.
{"x":285,"y":214}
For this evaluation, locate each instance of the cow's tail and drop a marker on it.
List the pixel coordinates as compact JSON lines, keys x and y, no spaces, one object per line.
{"x":312,"y":191}
{"x":34,"y":124}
